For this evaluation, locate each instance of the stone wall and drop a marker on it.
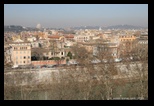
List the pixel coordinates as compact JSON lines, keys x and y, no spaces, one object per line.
{"x":54,"y":75}
{"x":30,"y":77}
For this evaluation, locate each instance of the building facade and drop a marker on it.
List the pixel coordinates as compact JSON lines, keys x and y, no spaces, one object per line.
{"x":82,"y":38}
{"x":127,"y":38}
{"x":21,"y":52}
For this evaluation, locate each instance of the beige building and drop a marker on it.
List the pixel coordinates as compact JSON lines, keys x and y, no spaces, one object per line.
{"x":21,"y":52}
{"x":127,"y":38}
{"x":126,"y":42}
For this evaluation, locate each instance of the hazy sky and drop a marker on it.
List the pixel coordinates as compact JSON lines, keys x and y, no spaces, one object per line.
{"x":70,"y":15}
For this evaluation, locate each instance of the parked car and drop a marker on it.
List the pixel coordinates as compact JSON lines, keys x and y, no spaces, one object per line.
{"x":32,"y":67}
{"x":14,"y":66}
{"x":44,"y":66}
{"x":117,"y":60}
{"x":54,"y":66}
{"x":62,"y":65}
{"x":38,"y":67}
{"x":49,"y":66}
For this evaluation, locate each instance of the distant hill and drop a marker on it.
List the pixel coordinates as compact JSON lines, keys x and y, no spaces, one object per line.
{"x":13,"y":28}
{"x":125,"y":27}
{"x":17,"y":28}
{"x":110,"y":27}
{"x":86,"y":27}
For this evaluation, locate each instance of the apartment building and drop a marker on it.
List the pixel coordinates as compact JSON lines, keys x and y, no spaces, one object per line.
{"x":69,"y":37}
{"x":21,"y":52}
{"x":57,"y":38}
{"x":108,"y":48}
{"x":82,"y":38}
{"x":126,"y":38}
{"x":126,"y":42}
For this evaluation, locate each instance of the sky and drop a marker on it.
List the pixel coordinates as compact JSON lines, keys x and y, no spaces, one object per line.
{"x":71,"y":15}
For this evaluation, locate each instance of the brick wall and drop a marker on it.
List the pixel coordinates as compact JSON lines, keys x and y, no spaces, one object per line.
{"x":48,"y":62}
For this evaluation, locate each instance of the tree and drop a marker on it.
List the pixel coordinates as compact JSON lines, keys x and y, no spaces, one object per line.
{"x":69,"y":55}
{"x":53,"y":46}
{"x":45,"y":58}
{"x":40,"y":45}
{"x":137,"y":69}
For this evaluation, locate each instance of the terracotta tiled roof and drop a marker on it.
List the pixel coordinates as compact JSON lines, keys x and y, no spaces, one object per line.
{"x":69,"y":36}
{"x":11,"y":42}
{"x":54,"y":36}
{"x":99,"y":35}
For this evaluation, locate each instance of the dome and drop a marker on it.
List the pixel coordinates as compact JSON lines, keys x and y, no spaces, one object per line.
{"x":38,"y":26}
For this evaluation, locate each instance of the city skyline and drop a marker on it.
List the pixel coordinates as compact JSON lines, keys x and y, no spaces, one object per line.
{"x":72,"y":15}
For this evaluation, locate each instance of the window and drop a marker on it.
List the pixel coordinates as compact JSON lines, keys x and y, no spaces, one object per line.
{"x":28,"y":56}
{"x":24,"y":57}
{"x":23,"y":61}
{"x":61,"y":53}
{"x":20,"y":57}
{"x":20,"y":61}
{"x":16,"y":52}
{"x":20,"y":52}
{"x":17,"y":57}
{"x":16,"y":62}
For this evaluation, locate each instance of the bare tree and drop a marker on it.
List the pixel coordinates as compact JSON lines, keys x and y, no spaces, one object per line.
{"x":137,"y":68}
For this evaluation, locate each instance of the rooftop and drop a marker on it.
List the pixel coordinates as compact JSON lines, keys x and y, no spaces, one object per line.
{"x":69,"y":36}
{"x":54,"y":36}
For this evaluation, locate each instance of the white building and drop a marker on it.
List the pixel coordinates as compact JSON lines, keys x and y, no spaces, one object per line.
{"x":31,"y":39}
{"x":81,"y":38}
